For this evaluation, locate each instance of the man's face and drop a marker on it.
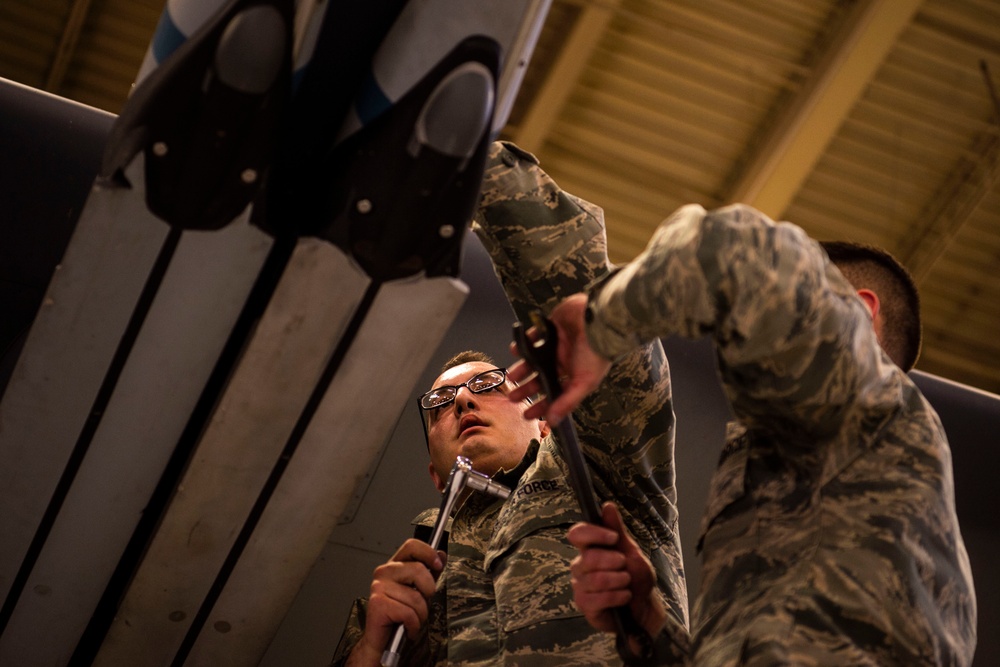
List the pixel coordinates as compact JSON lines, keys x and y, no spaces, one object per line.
{"x":486,"y":427}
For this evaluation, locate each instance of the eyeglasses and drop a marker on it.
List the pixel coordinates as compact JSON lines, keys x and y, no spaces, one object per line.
{"x":442,"y":396}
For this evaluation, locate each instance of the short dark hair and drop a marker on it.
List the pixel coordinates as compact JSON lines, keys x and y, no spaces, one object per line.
{"x":870,"y":267}
{"x":466,"y":357}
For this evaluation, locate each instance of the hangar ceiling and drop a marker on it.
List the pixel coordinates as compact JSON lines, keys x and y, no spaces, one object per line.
{"x":871,"y":120}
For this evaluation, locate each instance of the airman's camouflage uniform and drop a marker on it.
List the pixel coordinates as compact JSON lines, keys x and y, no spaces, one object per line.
{"x":505,"y":595}
{"x":831,"y":536}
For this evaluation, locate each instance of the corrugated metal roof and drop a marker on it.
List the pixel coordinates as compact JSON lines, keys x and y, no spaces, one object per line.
{"x":868,"y":120}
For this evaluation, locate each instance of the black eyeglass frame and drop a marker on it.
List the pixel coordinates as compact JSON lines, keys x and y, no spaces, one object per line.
{"x":456,"y":387}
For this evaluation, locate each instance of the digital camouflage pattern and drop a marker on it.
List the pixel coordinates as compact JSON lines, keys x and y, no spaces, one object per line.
{"x":505,"y":595}
{"x":831,"y":536}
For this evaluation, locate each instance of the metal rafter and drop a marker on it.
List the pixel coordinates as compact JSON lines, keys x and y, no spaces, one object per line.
{"x":965,"y":192}
{"x":798,"y":140}
{"x":565,"y":72}
{"x":67,"y":44}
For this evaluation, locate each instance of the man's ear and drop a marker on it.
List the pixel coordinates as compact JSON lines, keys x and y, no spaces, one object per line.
{"x":438,"y":482}
{"x":871,"y":300}
{"x":543,"y":428}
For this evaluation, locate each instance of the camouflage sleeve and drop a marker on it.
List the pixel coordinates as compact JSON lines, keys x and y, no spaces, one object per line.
{"x":778,"y":311}
{"x":351,"y":635}
{"x":545,"y":245}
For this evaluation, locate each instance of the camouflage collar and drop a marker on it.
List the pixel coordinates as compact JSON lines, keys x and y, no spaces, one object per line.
{"x":512,"y":477}
{"x":509,"y":478}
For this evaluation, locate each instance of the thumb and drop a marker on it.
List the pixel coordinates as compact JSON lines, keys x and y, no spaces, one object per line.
{"x":611,"y":518}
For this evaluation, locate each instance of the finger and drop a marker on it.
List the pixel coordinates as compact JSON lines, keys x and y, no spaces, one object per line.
{"x":592,"y":562}
{"x":410,"y":575}
{"x":537,"y":409}
{"x":596,"y":583}
{"x":443,"y":558}
{"x":519,"y":371}
{"x":531,"y":333}
{"x":406,"y":607}
{"x":587,"y":535}
{"x":600,"y":598}
{"x":601,"y":581}
{"x":612,"y":518}
{"x":525,"y":390}
{"x":416,"y":550}
{"x":397,"y":594}
{"x":596,"y":606}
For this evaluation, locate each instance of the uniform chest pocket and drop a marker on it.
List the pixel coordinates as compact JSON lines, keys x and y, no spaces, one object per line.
{"x":529,"y":556}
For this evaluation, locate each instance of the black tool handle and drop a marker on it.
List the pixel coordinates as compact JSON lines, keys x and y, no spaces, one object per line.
{"x":540,"y":354}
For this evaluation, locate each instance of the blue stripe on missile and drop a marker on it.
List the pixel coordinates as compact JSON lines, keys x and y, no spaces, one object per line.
{"x":167,"y":38}
{"x":372,"y":102}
